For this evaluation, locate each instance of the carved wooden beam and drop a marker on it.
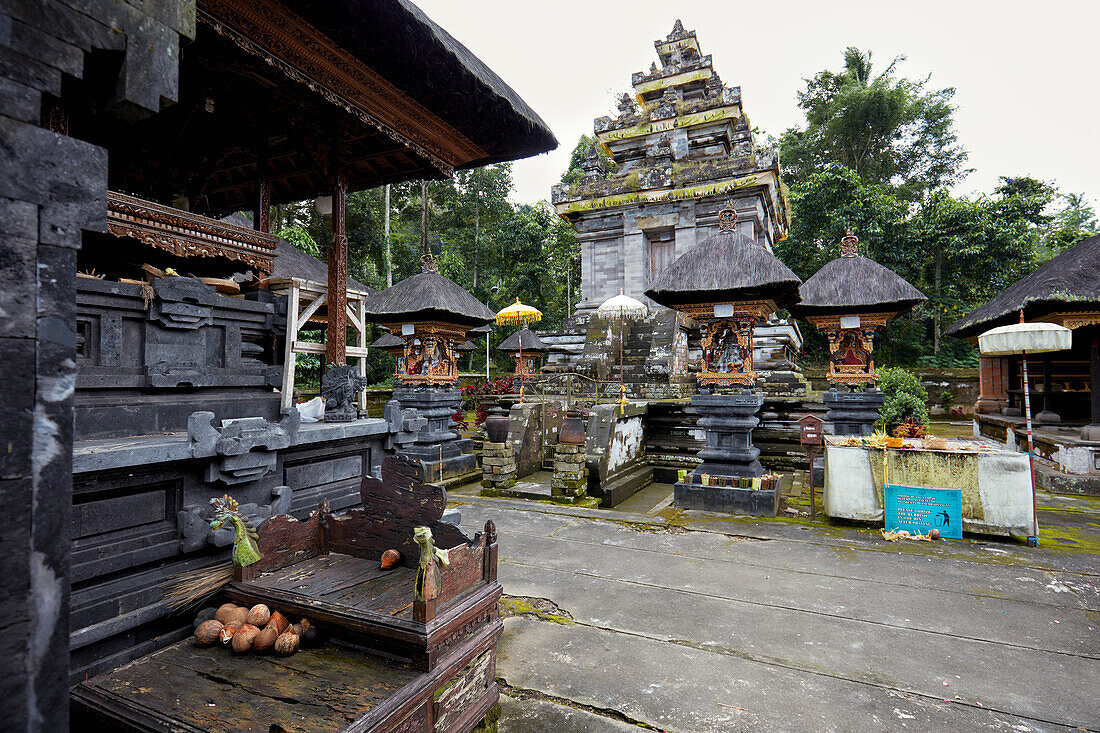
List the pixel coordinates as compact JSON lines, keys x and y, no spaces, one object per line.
{"x":336,"y":334}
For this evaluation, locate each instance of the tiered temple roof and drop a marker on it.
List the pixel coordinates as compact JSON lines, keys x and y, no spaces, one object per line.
{"x":681,"y":134}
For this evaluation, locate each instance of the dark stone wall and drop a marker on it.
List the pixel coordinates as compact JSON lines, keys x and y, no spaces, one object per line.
{"x":52,"y":189}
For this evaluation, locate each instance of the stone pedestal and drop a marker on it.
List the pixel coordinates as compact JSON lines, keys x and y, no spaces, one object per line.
{"x":728,"y":421}
{"x":853,"y":413}
{"x":570,"y":482}
{"x":498,"y":465}
{"x":437,"y":445}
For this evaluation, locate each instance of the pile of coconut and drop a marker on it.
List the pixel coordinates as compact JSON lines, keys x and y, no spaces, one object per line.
{"x":256,"y":629}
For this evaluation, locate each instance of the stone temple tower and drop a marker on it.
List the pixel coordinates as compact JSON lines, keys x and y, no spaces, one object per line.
{"x":683,"y":147}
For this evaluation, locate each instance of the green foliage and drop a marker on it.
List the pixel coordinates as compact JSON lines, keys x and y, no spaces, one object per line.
{"x":906,"y":397}
{"x":576,"y":159}
{"x":299,"y":236}
{"x":891,"y":131}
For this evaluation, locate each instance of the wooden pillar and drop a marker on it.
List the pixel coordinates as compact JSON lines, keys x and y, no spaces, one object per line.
{"x":1094,"y":380}
{"x":261,"y":215}
{"x":336,"y":333}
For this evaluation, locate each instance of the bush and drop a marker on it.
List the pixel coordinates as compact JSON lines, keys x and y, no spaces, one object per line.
{"x":906,"y":398}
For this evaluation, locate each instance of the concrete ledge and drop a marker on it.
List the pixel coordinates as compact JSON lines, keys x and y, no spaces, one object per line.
{"x":623,"y":486}
{"x":726,"y":499}
{"x":1059,"y":482}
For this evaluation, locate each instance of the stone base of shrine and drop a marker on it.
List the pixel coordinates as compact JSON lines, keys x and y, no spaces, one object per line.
{"x":853,"y":413}
{"x":445,"y":456}
{"x":727,"y":499}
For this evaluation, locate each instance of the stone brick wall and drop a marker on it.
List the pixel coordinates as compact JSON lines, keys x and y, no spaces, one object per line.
{"x":52,"y":189}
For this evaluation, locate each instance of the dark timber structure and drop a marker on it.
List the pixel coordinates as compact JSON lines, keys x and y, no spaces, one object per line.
{"x":849,"y":300}
{"x":1065,"y":384}
{"x":129,"y":130}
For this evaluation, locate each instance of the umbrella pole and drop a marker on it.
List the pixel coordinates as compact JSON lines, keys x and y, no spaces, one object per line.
{"x":1032,"y":541}
{"x":519,"y":364}
{"x":622,"y":387}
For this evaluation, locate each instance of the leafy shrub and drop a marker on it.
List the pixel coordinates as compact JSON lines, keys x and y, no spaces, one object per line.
{"x":906,"y":397}
{"x":473,"y":394}
{"x":946,"y":400}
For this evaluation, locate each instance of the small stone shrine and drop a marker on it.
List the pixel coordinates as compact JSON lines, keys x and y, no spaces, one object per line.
{"x":728,"y":284}
{"x":525,"y":347}
{"x":431,"y":315}
{"x":849,"y":300}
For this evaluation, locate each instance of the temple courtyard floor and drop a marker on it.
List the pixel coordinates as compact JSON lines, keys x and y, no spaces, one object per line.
{"x":651,"y":618}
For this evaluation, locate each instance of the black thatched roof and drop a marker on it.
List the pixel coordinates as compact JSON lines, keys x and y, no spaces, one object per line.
{"x":427,"y":297}
{"x":482,"y":330}
{"x":387,"y":341}
{"x":468,"y":346}
{"x":855,"y":284}
{"x":1070,"y":280}
{"x":526,"y":337}
{"x":396,"y":39}
{"x":726,"y":266}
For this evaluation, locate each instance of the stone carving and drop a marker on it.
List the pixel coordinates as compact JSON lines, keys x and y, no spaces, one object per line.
{"x":194,"y":520}
{"x":182,"y":303}
{"x":666,"y":108}
{"x":243,"y":449}
{"x":713,"y":87}
{"x":626,"y":105}
{"x":403,"y":424}
{"x":339,"y":385}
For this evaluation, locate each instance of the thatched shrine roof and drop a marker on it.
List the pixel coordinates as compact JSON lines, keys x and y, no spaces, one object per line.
{"x":1070,"y":281}
{"x":387,"y":341}
{"x":855,"y":284}
{"x":727,"y":266}
{"x":524,"y":340}
{"x":427,"y":297}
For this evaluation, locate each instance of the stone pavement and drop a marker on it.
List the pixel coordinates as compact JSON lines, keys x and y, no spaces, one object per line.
{"x":686,"y":621}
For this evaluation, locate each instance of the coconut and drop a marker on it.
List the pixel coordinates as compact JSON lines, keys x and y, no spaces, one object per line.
{"x":222,"y":614}
{"x":242,"y":640}
{"x":208,"y":631}
{"x":259,"y":615}
{"x":265,"y":640}
{"x":286,"y":644}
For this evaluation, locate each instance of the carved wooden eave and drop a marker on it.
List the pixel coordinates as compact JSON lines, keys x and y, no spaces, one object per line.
{"x":188,"y":235}
{"x":285,"y":41}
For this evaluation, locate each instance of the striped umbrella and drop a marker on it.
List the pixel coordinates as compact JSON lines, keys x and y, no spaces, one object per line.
{"x":520,"y":315}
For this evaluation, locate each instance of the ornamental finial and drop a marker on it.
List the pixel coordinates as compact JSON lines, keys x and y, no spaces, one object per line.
{"x":428,"y":263}
{"x":849,"y":245}
{"x":727,"y":218}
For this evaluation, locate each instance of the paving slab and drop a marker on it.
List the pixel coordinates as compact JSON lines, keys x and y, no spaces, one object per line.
{"x":816,"y":628}
{"x":542,"y":716}
{"x":676,"y":688}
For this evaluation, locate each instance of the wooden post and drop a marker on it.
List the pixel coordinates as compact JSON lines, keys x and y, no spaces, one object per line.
{"x":336,"y":333}
{"x":1094,"y":378}
{"x":261,"y":216}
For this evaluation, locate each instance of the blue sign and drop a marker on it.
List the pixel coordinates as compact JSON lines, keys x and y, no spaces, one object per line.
{"x":919,"y":509}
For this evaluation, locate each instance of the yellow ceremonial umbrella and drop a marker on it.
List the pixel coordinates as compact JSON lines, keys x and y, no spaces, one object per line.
{"x":519,"y":314}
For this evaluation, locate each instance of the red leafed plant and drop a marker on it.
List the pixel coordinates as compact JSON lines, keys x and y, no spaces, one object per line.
{"x":459,"y":419}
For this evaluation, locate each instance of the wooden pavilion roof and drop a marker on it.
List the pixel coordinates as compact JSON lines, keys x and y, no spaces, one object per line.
{"x":292,"y":90}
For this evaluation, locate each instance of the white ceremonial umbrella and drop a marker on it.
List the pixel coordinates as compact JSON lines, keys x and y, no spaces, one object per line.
{"x":1022,"y":338}
{"x":624,"y":307}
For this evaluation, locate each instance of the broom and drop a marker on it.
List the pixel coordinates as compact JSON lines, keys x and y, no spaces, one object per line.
{"x":192,"y":587}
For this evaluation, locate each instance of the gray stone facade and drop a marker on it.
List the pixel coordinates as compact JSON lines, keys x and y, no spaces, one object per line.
{"x":53,"y":188}
{"x":680,"y":155}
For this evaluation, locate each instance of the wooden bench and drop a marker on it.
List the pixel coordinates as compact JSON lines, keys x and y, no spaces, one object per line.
{"x":389,"y":663}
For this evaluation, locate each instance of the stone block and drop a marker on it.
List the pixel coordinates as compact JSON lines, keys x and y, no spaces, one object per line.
{"x":20,"y":101}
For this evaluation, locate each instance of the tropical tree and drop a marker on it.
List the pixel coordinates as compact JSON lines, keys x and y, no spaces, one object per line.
{"x":890,"y":130}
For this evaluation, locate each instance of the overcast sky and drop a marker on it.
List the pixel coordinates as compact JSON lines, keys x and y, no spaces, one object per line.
{"x":1026,"y":74}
